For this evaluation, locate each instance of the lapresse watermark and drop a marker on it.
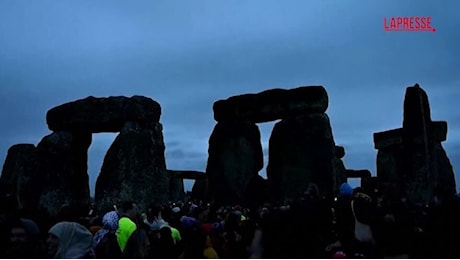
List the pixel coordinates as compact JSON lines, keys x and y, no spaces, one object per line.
{"x":408,"y":24}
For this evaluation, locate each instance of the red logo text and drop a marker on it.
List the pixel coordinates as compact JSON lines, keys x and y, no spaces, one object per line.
{"x":408,"y":24}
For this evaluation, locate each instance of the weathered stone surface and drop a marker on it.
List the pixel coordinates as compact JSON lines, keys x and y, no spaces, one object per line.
{"x":176,"y":184}
{"x":60,"y":172}
{"x":301,"y":150}
{"x":438,"y":130}
{"x":134,"y":168}
{"x":200,"y":190}
{"x":417,"y":146}
{"x":387,"y":138}
{"x":390,"y":165}
{"x":340,"y":173}
{"x":417,"y":114}
{"x":445,"y":178}
{"x":235,"y":157}
{"x":339,"y":152}
{"x":416,"y":165}
{"x":272,"y":104}
{"x":55,"y":173}
{"x":420,"y":182}
{"x":191,"y":175}
{"x":17,"y":171}
{"x":358,"y":173}
{"x":256,"y":192}
{"x":176,"y":187}
{"x":103,"y":114}
{"x":370,"y":185}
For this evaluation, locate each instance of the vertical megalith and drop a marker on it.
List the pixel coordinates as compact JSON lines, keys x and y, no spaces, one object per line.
{"x":256,"y":193}
{"x":134,"y":167}
{"x":301,"y":151}
{"x":17,"y":171}
{"x":61,"y":172}
{"x":200,"y":189}
{"x":339,"y":171}
{"x":176,"y":186}
{"x":235,"y":158}
{"x":176,"y":189}
{"x":417,"y":146}
{"x":412,"y":158}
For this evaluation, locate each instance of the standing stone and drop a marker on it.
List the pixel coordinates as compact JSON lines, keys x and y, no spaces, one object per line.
{"x":301,"y":150}
{"x":339,"y":170}
{"x":176,"y":189}
{"x":416,"y":145}
{"x":389,"y":169}
{"x":412,"y":158}
{"x":176,"y":186}
{"x":17,"y":171}
{"x":61,"y":172}
{"x":200,"y":190}
{"x":370,"y":185}
{"x":134,"y":168}
{"x":445,"y":177}
{"x":235,"y":158}
{"x":177,"y":177}
{"x":256,"y":193}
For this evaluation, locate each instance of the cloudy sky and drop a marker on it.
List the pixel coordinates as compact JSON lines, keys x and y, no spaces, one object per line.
{"x":188,"y":54}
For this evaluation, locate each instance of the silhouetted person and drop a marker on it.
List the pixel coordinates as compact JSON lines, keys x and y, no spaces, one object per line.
{"x":165,"y":247}
{"x":126,"y":223}
{"x":344,"y":226}
{"x":25,"y":240}
{"x":69,"y":240}
{"x":137,"y":246}
{"x":105,"y":241}
{"x":443,"y":228}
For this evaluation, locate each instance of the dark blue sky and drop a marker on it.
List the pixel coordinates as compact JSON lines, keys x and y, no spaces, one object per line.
{"x":188,"y":54}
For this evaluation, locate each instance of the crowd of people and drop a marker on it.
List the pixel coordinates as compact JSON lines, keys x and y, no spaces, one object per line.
{"x":355,"y":224}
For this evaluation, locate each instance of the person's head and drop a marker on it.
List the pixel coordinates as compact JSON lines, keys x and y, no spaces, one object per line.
{"x":69,"y":240}
{"x":18,"y":234}
{"x":66,"y":213}
{"x":358,"y":190}
{"x":52,"y":245}
{"x":166,"y":234}
{"x":175,"y":211}
{"x":110,"y":221}
{"x":23,"y":238}
{"x":130,"y":209}
{"x":312,"y":192}
{"x":18,"y":240}
{"x":154,"y":210}
{"x":345,"y":190}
